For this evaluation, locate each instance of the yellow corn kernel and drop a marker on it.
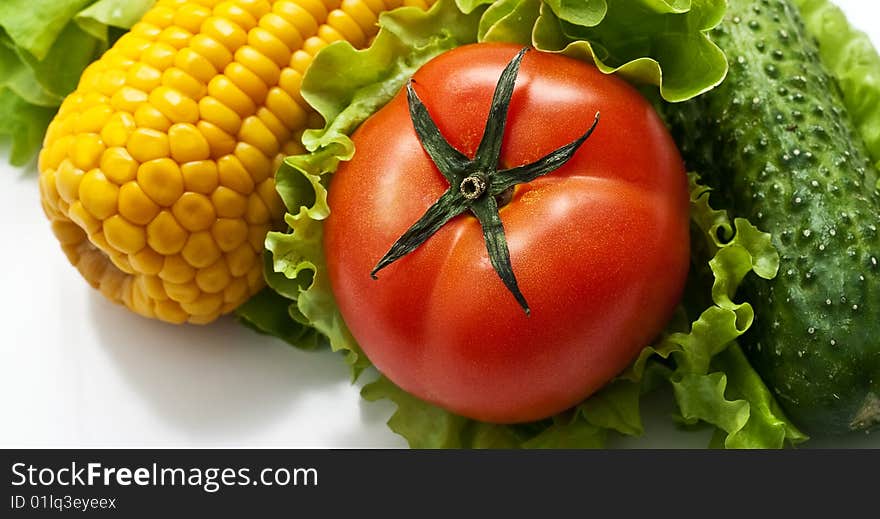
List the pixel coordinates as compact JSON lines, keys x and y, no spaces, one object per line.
{"x":306,"y":23}
{"x":235,"y":291}
{"x":184,"y":83}
{"x":200,"y":250}
{"x":135,"y":205}
{"x":148,"y":116}
{"x":218,"y":113}
{"x":123,"y":235}
{"x":274,"y":125}
{"x":361,"y":12}
{"x":182,"y":292}
{"x":118,"y":165}
{"x":176,"y":270}
{"x":235,"y":14}
{"x":254,"y":161}
{"x":127,"y":99}
{"x":194,"y":211}
{"x":161,"y":180}
{"x":255,"y":133}
{"x":53,"y":154}
{"x":190,"y":16}
{"x":214,"y":278}
{"x":92,"y":98}
{"x":212,"y":50}
{"x":256,"y":236}
{"x":240,"y":260}
{"x":48,"y":191}
{"x":314,"y":44}
{"x":346,"y":27}
{"x":229,"y":233}
{"x":159,"y":55}
{"x":143,"y":77}
{"x":270,"y":197}
{"x":147,"y":30}
{"x":117,"y":130}
{"x":249,"y":83}
{"x":221,"y":143}
{"x":194,"y":64}
{"x":150,"y":263}
{"x":257,"y":63}
{"x":175,"y":36}
{"x":110,"y":81}
{"x":205,"y":304}
{"x":225,"y":32}
{"x":165,"y":235}
{"x":258,"y":8}
{"x":174,"y":105}
{"x":78,"y":214}
{"x":93,"y":119}
{"x":300,"y":60}
{"x":228,"y":203}
{"x":266,"y":41}
{"x":87,"y":150}
{"x":225,"y":91}
{"x":257,"y":212}
{"x":288,"y":111}
{"x":233,"y":174}
{"x":160,"y":16}
{"x":319,"y":9}
{"x":67,"y":179}
{"x":146,"y":144}
{"x":153,"y":285}
{"x":132,"y":46}
{"x":187,"y":143}
{"x":99,"y":241}
{"x":117,"y":60}
{"x":120,"y":261}
{"x":170,"y":311}
{"x":98,"y":195}
{"x":200,"y":176}
{"x":255,"y":277}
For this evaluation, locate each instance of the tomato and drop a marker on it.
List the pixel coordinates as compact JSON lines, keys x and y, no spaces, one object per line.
{"x":599,"y":246}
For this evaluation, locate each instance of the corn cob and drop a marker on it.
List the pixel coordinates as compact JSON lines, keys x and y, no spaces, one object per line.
{"x":157,"y":172}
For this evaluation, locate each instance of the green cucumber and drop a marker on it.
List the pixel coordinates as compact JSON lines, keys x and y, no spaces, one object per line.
{"x":778,"y":147}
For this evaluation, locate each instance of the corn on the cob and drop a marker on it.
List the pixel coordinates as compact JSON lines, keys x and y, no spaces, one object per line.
{"x":157,"y":172}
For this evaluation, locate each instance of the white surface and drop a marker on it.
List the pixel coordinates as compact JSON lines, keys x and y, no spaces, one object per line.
{"x":77,"y":371}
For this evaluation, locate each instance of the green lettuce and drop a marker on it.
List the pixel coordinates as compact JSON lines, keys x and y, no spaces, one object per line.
{"x":44,"y":47}
{"x":661,"y":42}
{"x":698,"y":361}
{"x":854,"y":63}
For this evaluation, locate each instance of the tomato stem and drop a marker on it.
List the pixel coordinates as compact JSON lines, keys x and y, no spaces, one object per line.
{"x":470,"y":179}
{"x":473,"y":187}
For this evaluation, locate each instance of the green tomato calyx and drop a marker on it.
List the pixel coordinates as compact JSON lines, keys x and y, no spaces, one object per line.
{"x":471,"y":179}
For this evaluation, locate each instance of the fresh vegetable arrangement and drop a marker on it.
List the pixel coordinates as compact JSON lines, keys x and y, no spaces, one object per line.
{"x":482,"y":204}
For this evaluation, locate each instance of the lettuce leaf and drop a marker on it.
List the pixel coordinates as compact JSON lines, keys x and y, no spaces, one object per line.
{"x":660,"y":42}
{"x":854,"y":63}
{"x":44,"y":47}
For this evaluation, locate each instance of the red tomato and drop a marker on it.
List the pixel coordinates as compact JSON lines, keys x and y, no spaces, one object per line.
{"x":600,"y":246}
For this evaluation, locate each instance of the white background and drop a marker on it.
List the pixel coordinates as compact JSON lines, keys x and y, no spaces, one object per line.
{"x":78,"y":371}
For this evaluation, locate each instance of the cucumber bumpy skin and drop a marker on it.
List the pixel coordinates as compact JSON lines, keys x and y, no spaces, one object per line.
{"x":776,"y":144}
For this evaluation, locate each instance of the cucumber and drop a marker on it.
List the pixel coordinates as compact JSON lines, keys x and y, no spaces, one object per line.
{"x":778,"y":147}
